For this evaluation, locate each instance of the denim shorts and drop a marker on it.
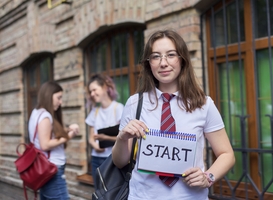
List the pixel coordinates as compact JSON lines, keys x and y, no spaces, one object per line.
{"x":55,"y":188}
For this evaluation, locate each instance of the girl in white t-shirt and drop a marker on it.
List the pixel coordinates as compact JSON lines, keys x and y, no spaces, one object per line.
{"x":105,"y":112}
{"x":166,"y":68}
{"x":51,"y":136}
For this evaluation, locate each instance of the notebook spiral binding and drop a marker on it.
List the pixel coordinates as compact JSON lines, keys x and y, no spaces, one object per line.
{"x":174,"y":135}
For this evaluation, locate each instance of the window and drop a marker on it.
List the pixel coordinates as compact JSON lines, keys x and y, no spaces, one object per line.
{"x":240,"y":75}
{"x":230,"y":27}
{"x":264,"y":79}
{"x":117,"y":54}
{"x":233,"y":105}
{"x":262,"y":14}
{"x":37,"y":72}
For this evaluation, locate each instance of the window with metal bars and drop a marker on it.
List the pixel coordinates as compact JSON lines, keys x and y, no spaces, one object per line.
{"x":239,"y":56}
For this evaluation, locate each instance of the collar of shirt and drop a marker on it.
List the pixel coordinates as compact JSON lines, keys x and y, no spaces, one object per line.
{"x":158,"y":93}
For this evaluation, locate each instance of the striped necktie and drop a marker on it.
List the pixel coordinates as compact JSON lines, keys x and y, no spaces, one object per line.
{"x":167,"y":124}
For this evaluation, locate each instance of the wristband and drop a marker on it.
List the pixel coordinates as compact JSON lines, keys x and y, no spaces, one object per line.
{"x":210,"y":178}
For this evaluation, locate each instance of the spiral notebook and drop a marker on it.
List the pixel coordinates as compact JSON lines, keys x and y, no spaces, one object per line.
{"x":167,"y":153}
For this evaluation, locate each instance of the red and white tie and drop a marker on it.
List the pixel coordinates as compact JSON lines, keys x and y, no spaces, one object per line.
{"x":167,"y":124}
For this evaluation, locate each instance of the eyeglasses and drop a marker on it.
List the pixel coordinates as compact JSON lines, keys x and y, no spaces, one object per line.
{"x":156,"y":58}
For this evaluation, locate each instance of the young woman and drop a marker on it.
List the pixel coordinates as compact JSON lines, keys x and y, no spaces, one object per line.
{"x":167,"y":70}
{"x":51,"y":137}
{"x":106,"y":112}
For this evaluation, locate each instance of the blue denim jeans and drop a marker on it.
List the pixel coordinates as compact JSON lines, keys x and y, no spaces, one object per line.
{"x":55,"y":188}
{"x":95,"y":163}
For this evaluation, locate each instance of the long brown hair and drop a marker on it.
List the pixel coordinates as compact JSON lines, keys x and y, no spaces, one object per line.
{"x":45,"y":101}
{"x":192,"y":95}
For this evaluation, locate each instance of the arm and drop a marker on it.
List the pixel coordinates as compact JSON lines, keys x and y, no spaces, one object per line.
{"x":44,"y":134}
{"x":224,"y":160}
{"x":121,"y":147}
{"x":92,"y":140}
{"x":223,"y":151}
{"x":129,"y":128}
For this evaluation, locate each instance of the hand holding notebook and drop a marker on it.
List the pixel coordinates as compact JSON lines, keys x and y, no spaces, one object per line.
{"x":110,"y":131}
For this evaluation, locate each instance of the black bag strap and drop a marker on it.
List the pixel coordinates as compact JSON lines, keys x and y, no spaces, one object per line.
{"x":139,"y":107}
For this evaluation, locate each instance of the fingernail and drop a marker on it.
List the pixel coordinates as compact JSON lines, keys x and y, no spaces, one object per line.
{"x":183,"y":175}
{"x":144,"y":137}
{"x":147,"y":130}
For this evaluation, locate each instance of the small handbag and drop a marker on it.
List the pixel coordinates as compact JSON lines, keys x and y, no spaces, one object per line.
{"x":112,"y":183}
{"x":33,"y":166}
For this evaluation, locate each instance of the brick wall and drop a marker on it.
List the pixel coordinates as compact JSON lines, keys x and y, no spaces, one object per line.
{"x":29,"y":27}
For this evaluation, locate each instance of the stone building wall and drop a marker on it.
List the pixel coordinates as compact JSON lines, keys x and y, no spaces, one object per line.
{"x":28,"y":28}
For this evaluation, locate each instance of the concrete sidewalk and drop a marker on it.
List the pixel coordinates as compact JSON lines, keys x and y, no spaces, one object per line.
{"x":9,"y":192}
